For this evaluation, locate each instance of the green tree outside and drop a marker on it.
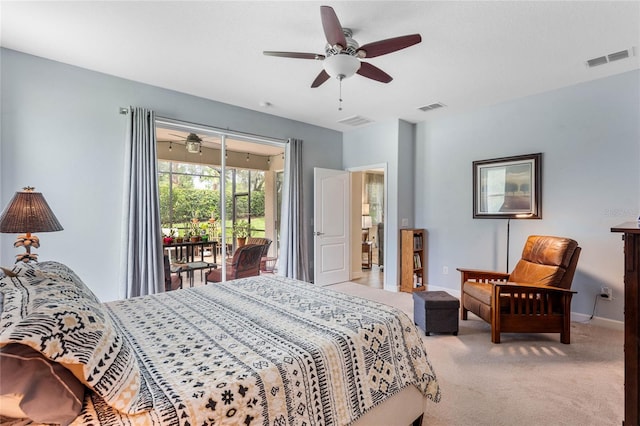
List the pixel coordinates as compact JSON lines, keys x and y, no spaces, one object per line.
{"x":193,"y":193}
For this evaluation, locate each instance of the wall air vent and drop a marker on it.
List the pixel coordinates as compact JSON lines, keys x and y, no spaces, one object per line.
{"x":356,"y":120}
{"x":431,"y":107}
{"x":616,"y":56}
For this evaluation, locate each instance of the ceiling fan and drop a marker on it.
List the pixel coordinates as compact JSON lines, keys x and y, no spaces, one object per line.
{"x":343,"y":55}
{"x":193,"y":143}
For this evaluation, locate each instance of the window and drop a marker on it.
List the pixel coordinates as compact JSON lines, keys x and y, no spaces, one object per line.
{"x":187,"y":191}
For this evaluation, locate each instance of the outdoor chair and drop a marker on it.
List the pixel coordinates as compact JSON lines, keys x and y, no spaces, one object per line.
{"x":266,"y":243}
{"x":171,"y":281}
{"x":245,"y":263}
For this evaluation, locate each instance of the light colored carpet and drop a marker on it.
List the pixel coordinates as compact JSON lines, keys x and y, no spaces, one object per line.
{"x":528,"y":379}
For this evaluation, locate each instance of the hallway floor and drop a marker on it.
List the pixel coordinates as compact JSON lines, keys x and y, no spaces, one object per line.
{"x":373,"y":277}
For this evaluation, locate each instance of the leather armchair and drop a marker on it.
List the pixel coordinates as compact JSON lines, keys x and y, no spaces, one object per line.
{"x":534,"y":298}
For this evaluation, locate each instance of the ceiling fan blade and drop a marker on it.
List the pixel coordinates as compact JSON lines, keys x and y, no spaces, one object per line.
{"x":382,"y":47}
{"x":332,"y":28}
{"x":296,"y":55}
{"x":321,"y":78}
{"x":374,"y":73}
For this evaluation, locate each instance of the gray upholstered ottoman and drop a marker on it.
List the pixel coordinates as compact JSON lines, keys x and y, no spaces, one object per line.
{"x":436,"y":312}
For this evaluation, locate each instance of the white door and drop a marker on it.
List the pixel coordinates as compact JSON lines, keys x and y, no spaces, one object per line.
{"x":331,"y":226}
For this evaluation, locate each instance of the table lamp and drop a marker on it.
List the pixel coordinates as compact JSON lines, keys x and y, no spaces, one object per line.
{"x":366,"y":219}
{"x":366,"y":222}
{"x":28,"y":212}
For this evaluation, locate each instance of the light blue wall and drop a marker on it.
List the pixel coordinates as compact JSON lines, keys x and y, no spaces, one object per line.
{"x":61,"y":132}
{"x":589,"y":135}
{"x":406,"y":174}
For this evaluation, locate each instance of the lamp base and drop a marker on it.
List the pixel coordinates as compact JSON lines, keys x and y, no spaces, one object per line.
{"x":26,"y":257}
{"x":27,"y":241}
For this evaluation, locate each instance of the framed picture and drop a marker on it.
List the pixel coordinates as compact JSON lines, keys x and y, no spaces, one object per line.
{"x":509,"y":187}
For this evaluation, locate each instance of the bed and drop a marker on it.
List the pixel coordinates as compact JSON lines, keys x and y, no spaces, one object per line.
{"x":263,"y":350}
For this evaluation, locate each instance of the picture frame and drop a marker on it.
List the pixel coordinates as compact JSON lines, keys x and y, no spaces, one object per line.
{"x":508,"y":187}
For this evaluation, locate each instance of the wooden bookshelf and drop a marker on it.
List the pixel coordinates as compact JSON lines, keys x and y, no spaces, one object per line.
{"x":412,"y":262}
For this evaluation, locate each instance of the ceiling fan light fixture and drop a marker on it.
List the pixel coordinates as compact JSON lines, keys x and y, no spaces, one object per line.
{"x":193,"y":143}
{"x":341,"y":66}
{"x":193,"y":147}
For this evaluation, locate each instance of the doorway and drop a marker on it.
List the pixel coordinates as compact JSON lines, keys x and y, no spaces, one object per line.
{"x":369,"y":206}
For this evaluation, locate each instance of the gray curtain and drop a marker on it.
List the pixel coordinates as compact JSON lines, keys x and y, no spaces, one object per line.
{"x":293,"y":261}
{"x":142,"y":264}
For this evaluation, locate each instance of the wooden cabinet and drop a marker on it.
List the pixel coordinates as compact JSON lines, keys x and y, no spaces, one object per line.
{"x":631,"y":231}
{"x":413,"y":244}
{"x":367,"y":253}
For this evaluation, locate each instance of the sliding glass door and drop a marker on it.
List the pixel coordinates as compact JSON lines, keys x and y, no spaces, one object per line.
{"x":200,"y":171}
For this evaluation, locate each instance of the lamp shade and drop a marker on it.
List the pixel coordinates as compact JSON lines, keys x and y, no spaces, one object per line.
{"x":28,"y":212}
{"x":366,"y":222}
{"x":341,"y":65}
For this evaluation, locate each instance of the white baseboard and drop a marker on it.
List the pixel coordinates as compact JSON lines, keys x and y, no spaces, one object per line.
{"x":599,"y":321}
{"x":575,"y":316}
{"x":452,"y":292}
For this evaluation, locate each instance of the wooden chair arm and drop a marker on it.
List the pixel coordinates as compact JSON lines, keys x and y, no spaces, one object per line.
{"x":518,"y":303}
{"x":483,"y":276}
{"x":537,"y":288}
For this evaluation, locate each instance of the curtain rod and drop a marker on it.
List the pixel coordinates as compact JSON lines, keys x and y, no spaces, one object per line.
{"x":186,"y":125}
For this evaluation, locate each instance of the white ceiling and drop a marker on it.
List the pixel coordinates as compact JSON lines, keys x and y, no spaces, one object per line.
{"x":473,"y":54}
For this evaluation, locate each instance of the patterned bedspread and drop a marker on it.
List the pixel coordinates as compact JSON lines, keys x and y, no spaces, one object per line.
{"x":265,"y":351}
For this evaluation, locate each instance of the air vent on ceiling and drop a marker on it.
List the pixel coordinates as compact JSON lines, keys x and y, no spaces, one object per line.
{"x":616,"y":56}
{"x":432,"y":106}
{"x":597,"y":61}
{"x":356,"y":120}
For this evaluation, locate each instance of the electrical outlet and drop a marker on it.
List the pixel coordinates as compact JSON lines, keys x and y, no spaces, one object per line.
{"x":606,"y":293}
{"x":445,"y":270}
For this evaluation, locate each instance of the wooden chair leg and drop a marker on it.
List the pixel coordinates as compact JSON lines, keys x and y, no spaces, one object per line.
{"x":565,"y":335}
{"x":495,"y":335}
{"x":495,"y":314}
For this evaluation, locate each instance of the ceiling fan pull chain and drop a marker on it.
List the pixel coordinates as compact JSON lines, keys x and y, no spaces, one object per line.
{"x":340,"y":97}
